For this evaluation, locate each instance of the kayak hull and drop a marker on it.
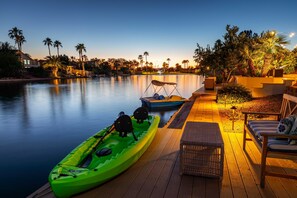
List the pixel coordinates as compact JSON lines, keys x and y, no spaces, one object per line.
{"x":69,"y":177}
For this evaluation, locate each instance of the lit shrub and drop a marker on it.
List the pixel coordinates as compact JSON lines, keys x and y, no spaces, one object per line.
{"x":233,"y":93}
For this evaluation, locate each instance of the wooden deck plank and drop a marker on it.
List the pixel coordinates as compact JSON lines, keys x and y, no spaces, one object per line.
{"x":253,"y":156}
{"x":156,"y":171}
{"x":44,"y":191}
{"x":246,"y":175}
{"x":199,"y":187}
{"x":273,"y":182}
{"x":212,"y":188}
{"x":163,"y":180}
{"x":140,"y":179}
{"x":156,"y":174}
{"x":174,"y":181}
{"x":283,"y":166}
{"x":226,"y":190}
{"x":235,"y":177}
{"x":186,"y":186}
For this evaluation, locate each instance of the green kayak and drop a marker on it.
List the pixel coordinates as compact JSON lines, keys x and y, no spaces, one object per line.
{"x":102,"y":157}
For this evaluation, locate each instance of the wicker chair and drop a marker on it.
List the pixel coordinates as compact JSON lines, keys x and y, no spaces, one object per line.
{"x":271,"y":144}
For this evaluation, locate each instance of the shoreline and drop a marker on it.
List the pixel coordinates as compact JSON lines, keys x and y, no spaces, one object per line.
{"x":14,"y":80}
{"x":23,"y":80}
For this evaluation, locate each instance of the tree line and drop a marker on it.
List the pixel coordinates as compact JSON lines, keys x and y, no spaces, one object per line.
{"x":58,"y":63}
{"x":245,"y":53}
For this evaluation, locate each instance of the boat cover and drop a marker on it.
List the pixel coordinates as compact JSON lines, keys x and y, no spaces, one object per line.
{"x":160,"y":83}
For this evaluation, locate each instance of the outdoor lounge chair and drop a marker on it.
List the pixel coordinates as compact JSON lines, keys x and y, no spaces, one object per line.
{"x":268,"y":141}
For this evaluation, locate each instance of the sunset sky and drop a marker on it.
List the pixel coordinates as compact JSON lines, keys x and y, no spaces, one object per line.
{"x":127,"y":28}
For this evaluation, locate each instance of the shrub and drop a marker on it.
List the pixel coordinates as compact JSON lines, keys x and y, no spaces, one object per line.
{"x":38,"y":72}
{"x":233,"y":93}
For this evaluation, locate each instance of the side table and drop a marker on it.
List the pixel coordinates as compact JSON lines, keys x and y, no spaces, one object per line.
{"x":202,"y":150}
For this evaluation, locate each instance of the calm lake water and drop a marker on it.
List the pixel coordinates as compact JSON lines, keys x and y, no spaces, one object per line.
{"x":41,"y":122}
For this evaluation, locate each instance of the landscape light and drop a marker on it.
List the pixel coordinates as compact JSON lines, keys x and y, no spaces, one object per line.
{"x":292,"y":34}
{"x":233,"y":116}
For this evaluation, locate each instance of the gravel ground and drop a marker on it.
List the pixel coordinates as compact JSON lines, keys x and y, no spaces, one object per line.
{"x":266,"y":104}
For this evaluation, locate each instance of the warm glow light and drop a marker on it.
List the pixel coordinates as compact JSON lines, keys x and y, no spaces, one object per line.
{"x":295,"y":46}
{"x":292,"y":34}
{"x":272,"y":33}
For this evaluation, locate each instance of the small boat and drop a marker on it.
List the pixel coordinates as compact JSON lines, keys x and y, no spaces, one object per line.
{"x":105,"y":154}
{"x":157,"y":100}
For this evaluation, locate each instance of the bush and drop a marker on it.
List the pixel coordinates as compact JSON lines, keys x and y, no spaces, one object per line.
{"x":39,"y":72}
{"x":233,"y":93}
{"x":10,"y":66}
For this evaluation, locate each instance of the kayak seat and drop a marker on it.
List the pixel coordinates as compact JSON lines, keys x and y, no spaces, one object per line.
{"x":124,"y":126}
{"x":103,"y":152}
{"x":140,"y":114}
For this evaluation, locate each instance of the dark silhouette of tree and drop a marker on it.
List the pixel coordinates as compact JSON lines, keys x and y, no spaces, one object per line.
{"x":80,"y":47}
{"x":10,"y":66}
{"x":17,"y":35}
{"x":146,"y":54}
{"x":57,"y":44}
{"x":47,"y":41}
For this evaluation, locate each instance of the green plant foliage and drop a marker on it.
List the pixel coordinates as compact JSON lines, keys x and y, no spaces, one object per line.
{"x":245,"y":53}
{"x":10,"y":66}
{"x":233,"y":93}
{"x":38,"y":72}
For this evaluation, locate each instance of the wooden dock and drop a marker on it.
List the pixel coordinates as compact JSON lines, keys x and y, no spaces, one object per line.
{"x":156,"y":174}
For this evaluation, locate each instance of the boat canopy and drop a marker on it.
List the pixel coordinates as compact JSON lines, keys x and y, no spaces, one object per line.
{"x":160,"y":83}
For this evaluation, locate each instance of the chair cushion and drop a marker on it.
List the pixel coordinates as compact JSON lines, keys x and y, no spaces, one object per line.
{"x":263,"y":126}
{"x":274,"y":144}
{"x":293,"y":131}
{"x":281,"y":146}
{"x":285,"y":125}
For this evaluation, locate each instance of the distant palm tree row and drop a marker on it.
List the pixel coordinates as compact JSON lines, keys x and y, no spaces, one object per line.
{"x":49,"y":43}
{"x":17,"y":35}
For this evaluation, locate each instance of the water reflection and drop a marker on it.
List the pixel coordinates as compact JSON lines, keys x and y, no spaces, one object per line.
{"x":43,"y":121}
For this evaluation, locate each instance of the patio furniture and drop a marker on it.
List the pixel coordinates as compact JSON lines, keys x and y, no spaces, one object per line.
{"x":209,"y":83}
{"x":270,"y":143}
{"x":202,"y":150}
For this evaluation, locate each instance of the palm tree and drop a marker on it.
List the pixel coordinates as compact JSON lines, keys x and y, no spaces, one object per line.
{"x":54,"y":63}
{"x":146,"y":54}
{"x":72,"y":58}
{"x":85,"y":58}
{"x":168,"y":60}
{"x":57,"y":44}
{"x":80,"y":47}
{"x":18,"y":36}
{"x":21,"y":41}
{"x":47,"y":41}
{"x":271,"y":44}
{"x":185,"y":62}
{"x":140,"y":58}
